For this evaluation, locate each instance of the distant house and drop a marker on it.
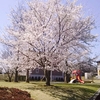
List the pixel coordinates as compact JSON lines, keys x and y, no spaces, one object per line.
{"x":98,"y":69}
{"x":38,"y":74}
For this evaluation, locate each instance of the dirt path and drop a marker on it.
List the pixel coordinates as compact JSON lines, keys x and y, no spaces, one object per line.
{"x":40,"y":95}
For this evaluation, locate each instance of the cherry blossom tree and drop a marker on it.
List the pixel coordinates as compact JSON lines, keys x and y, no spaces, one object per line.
{"x":48,"y":33}
{"x":5,"y":65}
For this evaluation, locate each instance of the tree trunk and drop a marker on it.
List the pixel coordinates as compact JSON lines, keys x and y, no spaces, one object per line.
{"x":27,"y":75}
{"x":47,"y":77}
{"x":10,"y":75}
{"x":16,"y":75}
{"x":10,"y":79}
{"x":66,"y":77}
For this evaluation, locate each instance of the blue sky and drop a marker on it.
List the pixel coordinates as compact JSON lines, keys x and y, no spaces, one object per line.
{"x":5,"y":9}
{"x":90,"y":7}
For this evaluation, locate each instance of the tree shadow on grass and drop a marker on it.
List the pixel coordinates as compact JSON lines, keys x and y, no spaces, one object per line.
{"x":65,"y":93}
{"x":73,"y":93}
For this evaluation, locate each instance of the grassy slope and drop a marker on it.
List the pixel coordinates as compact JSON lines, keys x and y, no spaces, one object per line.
{"x":58,"y":90}
{"x":78,"y":91}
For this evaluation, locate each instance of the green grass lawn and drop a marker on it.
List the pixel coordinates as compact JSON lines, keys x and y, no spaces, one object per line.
{"x":62,"y":91}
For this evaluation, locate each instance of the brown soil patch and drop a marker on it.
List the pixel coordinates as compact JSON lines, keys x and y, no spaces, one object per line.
{"x":13,"y":94}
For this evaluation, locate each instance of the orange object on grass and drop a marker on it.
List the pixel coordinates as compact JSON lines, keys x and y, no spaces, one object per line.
{"x":78,"y":76}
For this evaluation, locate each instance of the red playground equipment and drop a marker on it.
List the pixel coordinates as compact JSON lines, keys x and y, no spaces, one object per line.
{"x":78,"y":75}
